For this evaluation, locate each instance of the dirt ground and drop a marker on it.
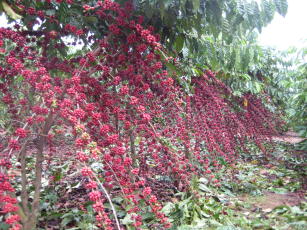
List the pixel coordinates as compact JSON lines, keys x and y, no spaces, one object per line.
{"x":272,"y":200}
{"x":289,"y":137}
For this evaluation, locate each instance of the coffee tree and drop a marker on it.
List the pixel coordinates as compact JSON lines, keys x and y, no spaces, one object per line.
{"x":123,"y":107}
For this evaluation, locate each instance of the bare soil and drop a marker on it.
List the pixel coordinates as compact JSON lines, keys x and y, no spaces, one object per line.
{"x":289,"y":137}
{"x":272,"y":200}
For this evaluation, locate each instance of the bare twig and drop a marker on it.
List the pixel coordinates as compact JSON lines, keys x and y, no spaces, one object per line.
{"x":110,"y":201}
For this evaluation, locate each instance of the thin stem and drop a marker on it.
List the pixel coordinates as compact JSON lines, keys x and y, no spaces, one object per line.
{"x":110,"y":201}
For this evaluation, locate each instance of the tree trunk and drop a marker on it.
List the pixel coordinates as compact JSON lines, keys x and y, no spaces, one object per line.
{"x":31,"y":219}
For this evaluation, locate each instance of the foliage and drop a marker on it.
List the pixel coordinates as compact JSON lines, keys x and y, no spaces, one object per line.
{"x":284,"y":75}
{"x":185,"y":22}
{"x":242,"y":200}
{"x":297,"y":84}
{"x":218,"y":34}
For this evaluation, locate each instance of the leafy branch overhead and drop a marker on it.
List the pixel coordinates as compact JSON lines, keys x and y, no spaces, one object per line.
{"x":189,"y":19}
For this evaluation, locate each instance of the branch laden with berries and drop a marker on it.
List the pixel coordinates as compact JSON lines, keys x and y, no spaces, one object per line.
{"x":122,"y":107}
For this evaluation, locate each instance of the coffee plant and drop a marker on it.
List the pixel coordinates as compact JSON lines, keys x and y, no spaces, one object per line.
{"x":123,"y":101}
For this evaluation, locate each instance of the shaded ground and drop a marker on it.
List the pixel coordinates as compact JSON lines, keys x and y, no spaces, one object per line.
{"x":272,"y":200}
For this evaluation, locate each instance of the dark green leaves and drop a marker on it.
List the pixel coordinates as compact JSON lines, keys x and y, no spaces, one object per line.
{"x":179,"y":42}
{"x":281,"y":6}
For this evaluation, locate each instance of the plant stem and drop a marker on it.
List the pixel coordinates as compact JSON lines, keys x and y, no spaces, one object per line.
{"x":110,"y":201}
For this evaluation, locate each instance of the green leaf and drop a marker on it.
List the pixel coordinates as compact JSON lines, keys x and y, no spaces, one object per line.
{"x":281,"y":7}
{"x":118,"y":200}
{"x":148,"y":216}
{"x":185,"y":51}
{"x":246,"y":77}
{"x":197,"y":72}
{"x":10,"y":12}
{"x":4,"y":226}
{"x":168,"y":208}
{"x":66,"y":221}
{"x":179,"y":42}
{"x":184,"y":202}
{"x":279,"y":190}
{"x":268,"y":10}
{"x":203,"y":180}
{"x":257,"y":87}
{"x":128,"y":219}
{"x":91,"y":19}
{"x":227,"y":228}
{"x":196,"y":5}
{"x":225,"y":26}
{"x":50,"y":12}
{"x":204,"y":188}
{"x":204,"y":214}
